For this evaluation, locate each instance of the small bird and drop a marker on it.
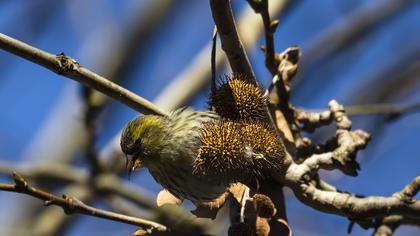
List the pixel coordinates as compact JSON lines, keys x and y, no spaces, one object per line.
{"x":167,"y":146}
{"x":196,"y":155}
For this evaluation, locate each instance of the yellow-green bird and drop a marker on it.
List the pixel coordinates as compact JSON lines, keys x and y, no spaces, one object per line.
{"x":167,"y":146}
{"x":195,"y":155}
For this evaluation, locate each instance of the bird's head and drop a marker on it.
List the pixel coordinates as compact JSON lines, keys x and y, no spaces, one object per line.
{"x":142,"y":139}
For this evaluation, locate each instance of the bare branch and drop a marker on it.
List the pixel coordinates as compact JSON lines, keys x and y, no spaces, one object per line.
{"x":68,"y":67}
{"x":284,"y":119}
{"x":409,"y":191}
{"x":107,"y":183}
{"x":349,"y":142}
{"x":51,"y":220}
{"x":354,"y":207}
{"x":387,"y":225}
{"x":313,"y":120}
{"x":300,"y":177}
{"x":261,"y":7}
{"x":231,"y":44}
{"x":72,"y":205}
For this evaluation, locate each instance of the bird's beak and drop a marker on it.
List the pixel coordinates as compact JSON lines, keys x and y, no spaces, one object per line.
{"x":132,"y":163}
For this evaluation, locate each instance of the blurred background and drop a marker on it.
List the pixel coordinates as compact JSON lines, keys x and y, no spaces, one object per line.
{"x":355,"y":51}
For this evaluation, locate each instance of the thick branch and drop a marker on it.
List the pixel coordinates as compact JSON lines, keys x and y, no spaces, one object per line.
{"x":231,"y":44}
{"x":72,"y":205}
{"x":68,"y":67}
{"x":300,"y":177}
{"x":348,"y":205}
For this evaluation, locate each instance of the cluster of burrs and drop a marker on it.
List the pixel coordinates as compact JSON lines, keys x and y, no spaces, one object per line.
{"x":241,"y":146}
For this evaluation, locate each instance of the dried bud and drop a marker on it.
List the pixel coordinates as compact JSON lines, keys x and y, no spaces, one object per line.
{"x":239,"y":99}
{"x":262,"y":227}
{"x":141,"y":232}
{"x":264,"y":206}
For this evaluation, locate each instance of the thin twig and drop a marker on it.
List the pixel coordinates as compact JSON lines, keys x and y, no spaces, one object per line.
{"x":285,"y":119}
{"x":213,"y":61}
{"x":261,"y":7}
{"x":68,"y":67}
{"x":51,"y":220}
{"x":72,"y":205}
{"x":107,"y":183}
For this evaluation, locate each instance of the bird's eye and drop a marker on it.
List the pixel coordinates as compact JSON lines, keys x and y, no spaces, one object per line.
{"x":134,"y":148}
{"x":137,"y":142}
{"x":129,"y":151}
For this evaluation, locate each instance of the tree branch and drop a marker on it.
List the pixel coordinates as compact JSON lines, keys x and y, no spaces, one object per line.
{"x":261,"y":7}
{"x":387,"y":225}
{"x":349,"y":142}
{"x":231,"y":44}
{"x":353,"y":207}
{"x":197,"y":75}
{"x":68,"y":67}
{"x":300,"y":177}
{"x":72,"y":205}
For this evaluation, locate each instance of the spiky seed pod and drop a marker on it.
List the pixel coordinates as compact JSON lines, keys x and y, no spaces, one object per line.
{"x":239,"y":99}
{"x":220,"y":152}
{"x":268,"y":151}
{"x":264,"y":206}
{"x":232,"y":151}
